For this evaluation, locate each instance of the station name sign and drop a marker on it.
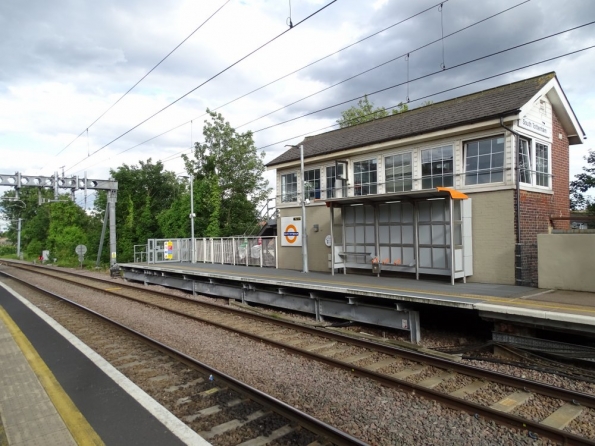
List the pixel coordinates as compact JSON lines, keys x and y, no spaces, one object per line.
{"x":536,"y":127}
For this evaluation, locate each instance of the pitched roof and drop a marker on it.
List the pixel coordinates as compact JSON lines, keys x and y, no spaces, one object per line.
{"x":475,"y":107}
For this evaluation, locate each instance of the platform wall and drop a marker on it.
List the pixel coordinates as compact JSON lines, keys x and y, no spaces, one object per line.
{"x":565,"y":261}
{"x":493,"y":237}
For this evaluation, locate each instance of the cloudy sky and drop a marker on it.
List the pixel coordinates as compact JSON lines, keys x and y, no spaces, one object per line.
{"x":65,"y":62}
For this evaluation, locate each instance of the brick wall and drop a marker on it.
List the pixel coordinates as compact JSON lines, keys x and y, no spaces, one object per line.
{"x":536,"y":208}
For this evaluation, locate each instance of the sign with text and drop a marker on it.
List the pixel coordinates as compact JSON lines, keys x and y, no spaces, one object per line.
{"x":291,"y":231}
{"x":168,"y":250}
{"x":537,"y":127}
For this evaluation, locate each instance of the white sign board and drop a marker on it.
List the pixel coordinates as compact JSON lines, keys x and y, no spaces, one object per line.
{"x":291,"y":231}
{"x":537,"y":127}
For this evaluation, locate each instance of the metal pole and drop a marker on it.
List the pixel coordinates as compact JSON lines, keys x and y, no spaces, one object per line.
{"x":304,"y":225}
{"x":19,"y":238}
{"x":332,"y":240}
{"x":192,"y":249}
{"x":112,"y":197}
{"x":102,"y":236}
{"x":452,"y":241}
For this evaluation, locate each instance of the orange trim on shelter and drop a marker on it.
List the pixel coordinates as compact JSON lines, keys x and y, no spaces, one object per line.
{"x":455,"y":194}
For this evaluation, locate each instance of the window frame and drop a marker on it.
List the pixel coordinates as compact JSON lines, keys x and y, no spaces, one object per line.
{"x":489,"y":171}
{"x":402,"y":178}
{"x":313,"y":193}
{"x":431,"y":177}
{"x":534,"y":175}
{"x":369,"y":187}
{"x":284,"y":192}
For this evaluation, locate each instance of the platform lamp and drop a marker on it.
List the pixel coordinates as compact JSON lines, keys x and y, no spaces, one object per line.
{"x":304,"y":226}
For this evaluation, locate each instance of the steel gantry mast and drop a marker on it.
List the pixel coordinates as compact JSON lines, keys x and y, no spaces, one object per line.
{"x":18,"y":181}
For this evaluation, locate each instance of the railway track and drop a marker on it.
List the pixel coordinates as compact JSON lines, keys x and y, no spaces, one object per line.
{"x":541,"y":409}
{"x":220,"y":408}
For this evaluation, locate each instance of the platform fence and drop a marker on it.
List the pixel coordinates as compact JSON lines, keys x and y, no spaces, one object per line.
{"x":246,"y":251}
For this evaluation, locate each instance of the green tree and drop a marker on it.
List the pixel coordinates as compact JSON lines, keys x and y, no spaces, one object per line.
{"x":364,"y":111}
{"x":144,"y":192}
{"x":584,"y":182}
{"x":67,"y":229}
{"x":229,"y":184}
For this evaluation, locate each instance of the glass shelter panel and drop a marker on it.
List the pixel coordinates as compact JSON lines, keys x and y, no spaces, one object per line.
{"x":396,"y":234}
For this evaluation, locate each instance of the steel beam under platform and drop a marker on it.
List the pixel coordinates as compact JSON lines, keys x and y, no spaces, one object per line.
{"x":321,"y":304}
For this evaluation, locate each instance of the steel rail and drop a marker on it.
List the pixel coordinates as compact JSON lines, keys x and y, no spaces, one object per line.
{"x":308,"y":422}
{"x":448,"y":400}
{"x":412,"y":355}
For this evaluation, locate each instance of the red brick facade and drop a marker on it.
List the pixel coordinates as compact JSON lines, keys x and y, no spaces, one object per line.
{"x":537,"y":208}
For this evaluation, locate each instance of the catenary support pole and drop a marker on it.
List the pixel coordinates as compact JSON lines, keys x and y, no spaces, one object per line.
{"x":112,"y":197}
{"x":102,"y":238}
{"x":19,"y":238}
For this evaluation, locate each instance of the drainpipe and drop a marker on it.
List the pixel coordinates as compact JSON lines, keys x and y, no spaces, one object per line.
{"x":518,"y":259}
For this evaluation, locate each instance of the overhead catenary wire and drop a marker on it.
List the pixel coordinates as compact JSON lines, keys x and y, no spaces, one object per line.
{"x":406,"y":56}
{"x":433,"y":73}
{"x":317,"y":61}
{"x":143,"y":78}
{"x":174,"y":156}
{"x":314,"y":131}
{"x":436,"y":93}
{"x":207,"y":81}
{"x":178,"y":154}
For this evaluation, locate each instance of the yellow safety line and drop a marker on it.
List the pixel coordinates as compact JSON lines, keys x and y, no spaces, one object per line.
{"x":112,"y":289}
{"x":526,"y":302}
{"x":76,"y":423}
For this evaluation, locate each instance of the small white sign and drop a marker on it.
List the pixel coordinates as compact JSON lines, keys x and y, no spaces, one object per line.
{"x":291,"y":231}
{"x":328,"y":240}
{"x":537,"y":127}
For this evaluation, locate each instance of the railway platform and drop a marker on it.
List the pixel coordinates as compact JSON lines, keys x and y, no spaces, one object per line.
{"x":386,"y":301}
{"x":54,"y":390}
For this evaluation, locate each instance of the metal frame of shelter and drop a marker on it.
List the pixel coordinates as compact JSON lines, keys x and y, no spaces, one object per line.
{"x":73,"y":184}
{"x":342,"y":257}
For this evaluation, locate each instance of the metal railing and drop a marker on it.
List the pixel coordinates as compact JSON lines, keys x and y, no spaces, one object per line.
{"x":140,"y":253}
{"x":242,"y":250}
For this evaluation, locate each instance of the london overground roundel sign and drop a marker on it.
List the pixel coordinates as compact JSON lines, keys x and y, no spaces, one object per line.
{"x":291,"y":231}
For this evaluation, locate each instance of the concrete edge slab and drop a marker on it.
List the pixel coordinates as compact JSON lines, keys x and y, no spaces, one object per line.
{"x":175,"y":425}
{"x":537,"y":314}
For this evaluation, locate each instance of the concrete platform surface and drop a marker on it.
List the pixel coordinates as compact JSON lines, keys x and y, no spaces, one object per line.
{"x":54,"y":390}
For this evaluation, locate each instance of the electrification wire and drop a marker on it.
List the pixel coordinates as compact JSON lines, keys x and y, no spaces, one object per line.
{"x":424,"y":76}
{"x":434,"y":94}
{"x":208,"y":80}
{"x":406,"y":55}
{"x":142,"y":78}
{"x":326,"y":57}
{"x":172,"y":157}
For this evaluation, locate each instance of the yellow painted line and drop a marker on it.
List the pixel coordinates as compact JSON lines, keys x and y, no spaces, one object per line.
{"x":112,"y":289}
{"x":525,"y":303}
{"x":76,"y":423}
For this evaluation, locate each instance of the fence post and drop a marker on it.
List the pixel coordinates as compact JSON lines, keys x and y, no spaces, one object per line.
{"x":261,"y":245}
{"x":233,"y":249}
{"x":212,"y":251}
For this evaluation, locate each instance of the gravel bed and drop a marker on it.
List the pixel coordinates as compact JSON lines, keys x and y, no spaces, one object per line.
{"x":376,"y":357}
{"x":361,"y":407}
{"x":399,"y":366}
{"x":534,"y":375}
{"x":584,"y":424}
{"x":424,"y":374}
{"x":455,"y":383}
{"x":538,"y":408}
{"x":490,"y":394}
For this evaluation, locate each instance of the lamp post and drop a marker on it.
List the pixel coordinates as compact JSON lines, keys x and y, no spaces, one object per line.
{"x":19,"y":239}
{"x":192,"y":215}
{"x":304,"y":226}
